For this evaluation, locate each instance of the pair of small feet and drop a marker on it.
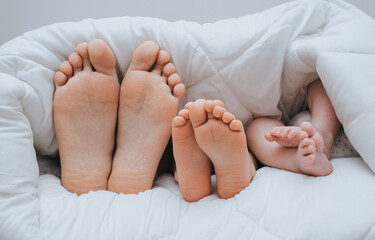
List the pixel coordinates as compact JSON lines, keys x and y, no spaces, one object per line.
{"x":204,"y":133}
{"x":88,"y":105}
{"x":313,"y":153}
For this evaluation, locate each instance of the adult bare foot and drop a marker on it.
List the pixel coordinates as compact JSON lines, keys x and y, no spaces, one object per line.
{"x":149,"y":98}
{"x":85,"y":114}
{"x":223,"y":139}
{"x":286,"y":136}
{"x":310,"y":156}
{"x":193,"y":167}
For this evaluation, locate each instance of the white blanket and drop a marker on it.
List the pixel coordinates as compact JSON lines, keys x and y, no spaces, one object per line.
{"x":258,"y":65}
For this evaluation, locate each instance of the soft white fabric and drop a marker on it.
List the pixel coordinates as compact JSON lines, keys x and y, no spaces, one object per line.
{"x":277,"y":205}
{"x":349,"y":79}
{"x":258,"y":65}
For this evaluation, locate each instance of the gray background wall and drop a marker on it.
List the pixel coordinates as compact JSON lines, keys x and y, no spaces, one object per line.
{"x":18,"y":16}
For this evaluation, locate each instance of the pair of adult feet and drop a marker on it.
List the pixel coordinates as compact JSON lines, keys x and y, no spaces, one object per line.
{"x":90,"y":105}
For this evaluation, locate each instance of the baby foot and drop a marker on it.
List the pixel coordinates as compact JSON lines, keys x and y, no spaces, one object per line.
{"x":193,"y":167}
{"x":286,"y":136}
{"x":311,"y":158}
{"x":223,"y":139}
{"x":85,"y":115}
{"x":149,"y":98}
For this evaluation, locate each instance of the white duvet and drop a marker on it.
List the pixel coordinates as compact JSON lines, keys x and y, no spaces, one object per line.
{"x":258,"y":65}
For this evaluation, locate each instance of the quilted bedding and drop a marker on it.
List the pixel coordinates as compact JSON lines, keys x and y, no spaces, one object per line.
{"x":259,"y":65}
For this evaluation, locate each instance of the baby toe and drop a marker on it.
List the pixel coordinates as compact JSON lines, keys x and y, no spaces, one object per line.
{"x":179,"y":91}
{"x":218,"y":111}
{"x":292,"y":133}
{"x":178,"y":121}
{"x":173,"y":80}
{"x":228,"y":117}
{"x":284,"y":132}
{"x":184,"y":113}
{"x":60,"y":79}
{"x":236,"y":125}
{"x":66,"y":68}
{"x":169,"y":69}
{"x":162,"y":59}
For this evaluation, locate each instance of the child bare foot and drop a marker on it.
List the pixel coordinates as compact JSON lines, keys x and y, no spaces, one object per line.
{"x":286,"y":136}
{"x":193,"y":167}
{"x":85,"y":114}
{"x":311,"y":158}
{"x":149,"y":99}
{"x":223,"y":139}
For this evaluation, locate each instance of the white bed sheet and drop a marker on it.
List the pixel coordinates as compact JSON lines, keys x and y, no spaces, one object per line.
{"x":277,"y":205}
